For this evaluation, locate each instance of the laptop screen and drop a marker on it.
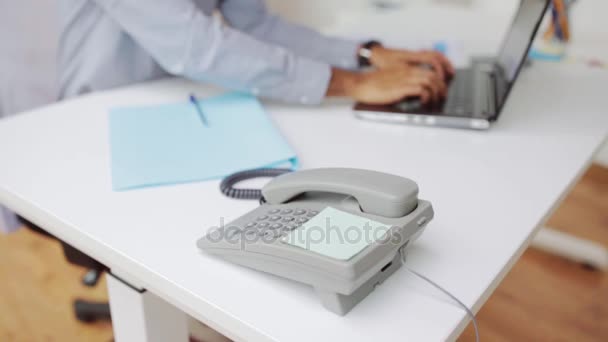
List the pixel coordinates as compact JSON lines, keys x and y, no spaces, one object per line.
{"x":515,"y":46}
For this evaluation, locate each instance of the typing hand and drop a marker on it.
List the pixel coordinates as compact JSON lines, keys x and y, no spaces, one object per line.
{"x":387,"y":86}
{"x":383,"y":58}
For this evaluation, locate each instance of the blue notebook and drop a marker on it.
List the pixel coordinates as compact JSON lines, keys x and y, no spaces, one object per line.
{"x":168,"y":144}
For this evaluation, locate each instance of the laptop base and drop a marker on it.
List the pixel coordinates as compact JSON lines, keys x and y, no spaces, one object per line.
{"x":425,"y":119}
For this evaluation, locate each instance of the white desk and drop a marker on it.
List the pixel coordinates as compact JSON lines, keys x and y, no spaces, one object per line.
{"x":490,"y":191}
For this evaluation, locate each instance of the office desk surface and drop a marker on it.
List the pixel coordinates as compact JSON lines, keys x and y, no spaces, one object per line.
{"x":490,"y":191}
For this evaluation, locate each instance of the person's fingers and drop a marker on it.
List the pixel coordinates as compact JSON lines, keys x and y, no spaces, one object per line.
{"x":446,"y":63}
{"x":426,"y":83}
{"x":425,"y":73}
{"x":392,"y":85}
{"x":429,"y":65}
{"x":434,"y":87}
{"x":430,"y":59}
{"x":413,"y":90}
{"x":438,"y":84}
{"x":441,"y":83}
{"x":425,"y":94}
{"x":437,"y":66}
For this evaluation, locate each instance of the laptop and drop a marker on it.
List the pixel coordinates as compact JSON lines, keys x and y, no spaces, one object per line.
{"x":476,"y":95}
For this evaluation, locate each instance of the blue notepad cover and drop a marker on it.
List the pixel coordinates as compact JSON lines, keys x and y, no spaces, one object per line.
{"x":168,"y":144}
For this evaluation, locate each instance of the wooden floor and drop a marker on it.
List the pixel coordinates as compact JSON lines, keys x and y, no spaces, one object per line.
{"x":543,"y":298}
{"x":546,"y":298}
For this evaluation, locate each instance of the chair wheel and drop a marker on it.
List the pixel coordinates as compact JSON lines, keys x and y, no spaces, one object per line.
{"x":91,"y":278}
{"x":88,"y":312}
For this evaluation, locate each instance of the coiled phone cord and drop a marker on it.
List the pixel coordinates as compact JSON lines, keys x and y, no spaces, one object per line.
{"x":444,"y":291}
{"x":228,"y":189}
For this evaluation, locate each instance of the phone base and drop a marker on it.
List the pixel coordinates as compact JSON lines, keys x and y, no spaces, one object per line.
{"x":342,"y":304}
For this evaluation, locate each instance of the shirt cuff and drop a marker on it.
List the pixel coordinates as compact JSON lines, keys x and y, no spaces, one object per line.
{"x":306,"y":83}
{"x":311,"y":82}
{"x":343,"y":53}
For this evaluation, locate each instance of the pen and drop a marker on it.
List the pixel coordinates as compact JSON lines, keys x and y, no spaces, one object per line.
{"x":197,"y":106}
{"x":557,"y":29}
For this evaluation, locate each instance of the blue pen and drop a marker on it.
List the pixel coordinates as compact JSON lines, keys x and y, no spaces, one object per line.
{"x":197,"y":106}
{"x":556,"y":24}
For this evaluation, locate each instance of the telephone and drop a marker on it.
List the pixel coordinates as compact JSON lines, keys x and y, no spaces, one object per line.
{"x":341,"y":230}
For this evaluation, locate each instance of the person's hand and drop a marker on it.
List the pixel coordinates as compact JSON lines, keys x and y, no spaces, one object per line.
{"x":383,"y":58}
{"x":387,"y":86}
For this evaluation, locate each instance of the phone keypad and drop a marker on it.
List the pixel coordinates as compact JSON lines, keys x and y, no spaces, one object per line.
{"x":275,"y":223}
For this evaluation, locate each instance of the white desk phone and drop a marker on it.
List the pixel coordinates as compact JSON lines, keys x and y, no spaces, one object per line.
{"x":343,"y":231}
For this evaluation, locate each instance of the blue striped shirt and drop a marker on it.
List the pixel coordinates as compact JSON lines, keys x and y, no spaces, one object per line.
{"x":236,"y":44}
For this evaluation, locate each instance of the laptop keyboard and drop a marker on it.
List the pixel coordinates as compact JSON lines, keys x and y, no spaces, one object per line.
{"x":459,"y":101}
{"x":460,"y":94}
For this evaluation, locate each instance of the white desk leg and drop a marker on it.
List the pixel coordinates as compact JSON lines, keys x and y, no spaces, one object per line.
{"x":572,"y":247}
{"x":141,"y":316}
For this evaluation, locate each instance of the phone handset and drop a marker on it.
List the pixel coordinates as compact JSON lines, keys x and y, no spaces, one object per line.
{"x":378,"y":193}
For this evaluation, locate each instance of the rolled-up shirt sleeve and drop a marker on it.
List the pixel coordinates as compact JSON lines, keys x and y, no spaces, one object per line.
{"x":187,"y":42}
{"x":252,"y":17}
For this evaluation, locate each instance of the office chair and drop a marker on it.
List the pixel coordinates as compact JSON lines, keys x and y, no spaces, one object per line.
{"x":85,"y":311}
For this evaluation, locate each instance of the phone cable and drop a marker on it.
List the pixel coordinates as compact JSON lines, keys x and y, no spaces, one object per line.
{"x":446,"y":292}
{"x":228,"y":189}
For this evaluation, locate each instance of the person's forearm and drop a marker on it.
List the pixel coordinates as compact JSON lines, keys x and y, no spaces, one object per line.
{"x":252,"y":17}
{"x":342,"y":82}
{"x":208,"y":51}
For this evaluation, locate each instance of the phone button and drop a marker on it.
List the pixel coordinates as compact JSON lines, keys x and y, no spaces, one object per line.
{"x":302,"y":219}
{"x":263,"y":224}
{"x":250,"y":224}
{"x":288,"y":219}
{"x":290,"y":227}
{"x":262,"y":218}
{"x":272,"y":234}
{"x":312,"y":213}
{"x":276,"y":226}
{"x":300,"y":212}
{"x":232,"y":232}
{"x":251,"y":234}
{"x":215,"y":235}
{"x":273,"y":211}
{"x":275,"y":218}
{"x":286,"y":211}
